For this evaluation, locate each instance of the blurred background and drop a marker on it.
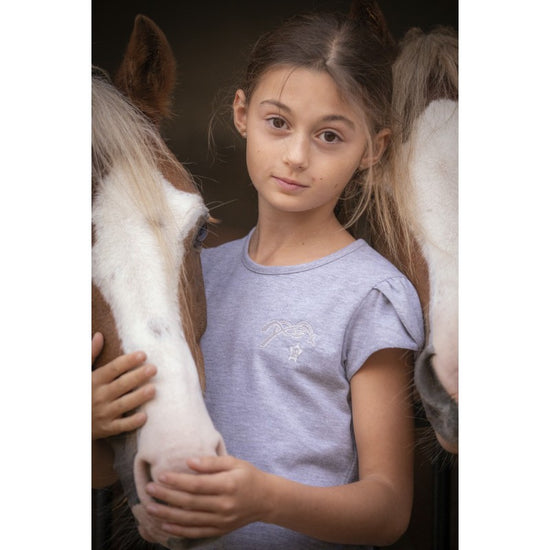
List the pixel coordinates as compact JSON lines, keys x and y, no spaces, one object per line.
{"x":211,"y":41}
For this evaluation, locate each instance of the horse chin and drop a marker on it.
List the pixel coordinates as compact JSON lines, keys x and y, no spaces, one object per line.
{"x":441,"y":408}
{"x":449,"y":446}
{"x":126,"y":453}
{"x":151,"y":533}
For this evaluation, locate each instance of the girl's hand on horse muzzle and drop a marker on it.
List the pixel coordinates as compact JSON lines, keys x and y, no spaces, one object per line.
{"x":224,"y":495}
{"x":118,"y":388}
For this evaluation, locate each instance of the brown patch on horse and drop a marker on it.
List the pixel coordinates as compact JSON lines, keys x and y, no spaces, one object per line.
{"x":147,"y":75}
{"x":193,"y":304}
{"x":192,"y":299}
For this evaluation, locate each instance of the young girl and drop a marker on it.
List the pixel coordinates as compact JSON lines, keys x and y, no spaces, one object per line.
{"x":310,"y":332}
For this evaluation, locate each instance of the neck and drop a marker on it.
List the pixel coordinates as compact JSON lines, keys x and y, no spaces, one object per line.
{"x":295,"y":238}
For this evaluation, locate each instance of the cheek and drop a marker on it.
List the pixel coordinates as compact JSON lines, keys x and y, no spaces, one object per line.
{"x":252,"y":156}
{"x":334,"y":182}
{"x":256,"y":164}
{"x":340,"y":171}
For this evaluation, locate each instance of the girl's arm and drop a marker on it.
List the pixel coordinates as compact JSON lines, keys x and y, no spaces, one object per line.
{"x":374,"y":510}
{"x":117,"y":388}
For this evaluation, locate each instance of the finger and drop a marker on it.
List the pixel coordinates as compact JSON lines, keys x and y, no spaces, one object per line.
{"x":129,"y":423}
{"x":131,"y":400}
{"x":171,"y":484}
{"x":182,"y":500}
{"x":130,"y":381}
{"x":106,"y":428}
{"x":119,"y":366}
{"x":112,"y":402}
{"x":97,"y":345}
{"x":212,"y":464}
{"x":182,"y":518}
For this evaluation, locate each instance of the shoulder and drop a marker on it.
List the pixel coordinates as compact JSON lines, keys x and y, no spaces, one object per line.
{"x":225,"y":250}
{"x":388,"y":310}
{"x":368,"y":268}
{"x":389,"y":285}
{"x":219,"y":260}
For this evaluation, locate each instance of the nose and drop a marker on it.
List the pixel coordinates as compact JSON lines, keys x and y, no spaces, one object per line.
{"x":296,"y":153}
{"x":169,"y":455}
{"x":172,"y":457}
{"x":440,"y":407}
{"x":178,"y":427}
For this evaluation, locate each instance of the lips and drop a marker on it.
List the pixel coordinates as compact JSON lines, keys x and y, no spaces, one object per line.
{"x":289,"y":184}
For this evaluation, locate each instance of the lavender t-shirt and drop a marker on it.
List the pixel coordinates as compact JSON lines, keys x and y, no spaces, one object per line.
{"x":280,"y":349}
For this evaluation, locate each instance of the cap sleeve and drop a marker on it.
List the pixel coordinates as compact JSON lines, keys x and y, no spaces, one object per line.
{"x":390,"y":316}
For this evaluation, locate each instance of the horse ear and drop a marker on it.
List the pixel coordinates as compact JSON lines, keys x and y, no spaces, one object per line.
{"x":147,"y":74}
{"x":368,"y":12}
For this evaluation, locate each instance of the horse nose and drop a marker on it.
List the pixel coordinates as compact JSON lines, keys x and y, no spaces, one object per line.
{"x":173,"y":458}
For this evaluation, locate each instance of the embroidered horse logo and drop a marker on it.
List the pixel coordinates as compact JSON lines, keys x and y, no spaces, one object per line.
{"x":301,"y":331}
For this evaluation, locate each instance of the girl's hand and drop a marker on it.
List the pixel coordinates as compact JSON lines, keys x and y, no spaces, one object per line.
{"x":117,"y":388}
{"x":226,"y":494}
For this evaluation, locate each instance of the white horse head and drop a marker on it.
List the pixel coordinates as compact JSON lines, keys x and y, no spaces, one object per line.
{"x":148,"y":293}
{"x":426,"y":99}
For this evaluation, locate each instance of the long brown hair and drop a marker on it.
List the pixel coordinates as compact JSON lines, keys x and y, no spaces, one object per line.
{"x":357,"y":51}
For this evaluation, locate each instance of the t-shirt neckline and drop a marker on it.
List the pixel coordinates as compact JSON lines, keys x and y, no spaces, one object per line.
{"x":251,"y":265}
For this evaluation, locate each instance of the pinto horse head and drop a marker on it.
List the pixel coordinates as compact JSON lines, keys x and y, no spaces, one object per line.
{"x":426,"y":100}
{"x":147,"y":291}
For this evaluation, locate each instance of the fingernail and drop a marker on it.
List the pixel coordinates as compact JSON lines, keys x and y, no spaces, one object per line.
{"x":194,"y":462}
{"x":150,"y":370}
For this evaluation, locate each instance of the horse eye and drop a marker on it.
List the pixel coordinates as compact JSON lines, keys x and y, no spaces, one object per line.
{"x":201,"y":235}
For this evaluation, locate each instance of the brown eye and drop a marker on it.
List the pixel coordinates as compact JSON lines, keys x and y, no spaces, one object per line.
{"x":201,"y":235}
{"x":277,"y":123}
{"x":330,"y":137}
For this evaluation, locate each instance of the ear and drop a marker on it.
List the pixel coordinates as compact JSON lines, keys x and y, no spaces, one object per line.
{"x":240,"y":111}
{"x":379,"y":145}
{"x":147,"y":74}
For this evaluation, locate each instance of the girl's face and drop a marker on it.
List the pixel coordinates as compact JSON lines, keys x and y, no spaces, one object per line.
{"x":304,"y":140}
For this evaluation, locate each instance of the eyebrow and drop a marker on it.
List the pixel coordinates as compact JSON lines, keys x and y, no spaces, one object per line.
{"x":327,"y":118}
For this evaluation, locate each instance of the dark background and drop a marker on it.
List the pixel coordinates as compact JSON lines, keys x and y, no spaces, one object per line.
{"x":211,"y":41}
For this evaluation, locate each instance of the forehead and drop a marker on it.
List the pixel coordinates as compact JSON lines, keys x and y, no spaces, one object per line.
{"x":305,"y":90}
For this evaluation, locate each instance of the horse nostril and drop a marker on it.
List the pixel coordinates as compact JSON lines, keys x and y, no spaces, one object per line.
{"x":220,"y":448}
{"x":147,"y":477}
{"x":147,"y":470}
{"x":143,"y":475}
